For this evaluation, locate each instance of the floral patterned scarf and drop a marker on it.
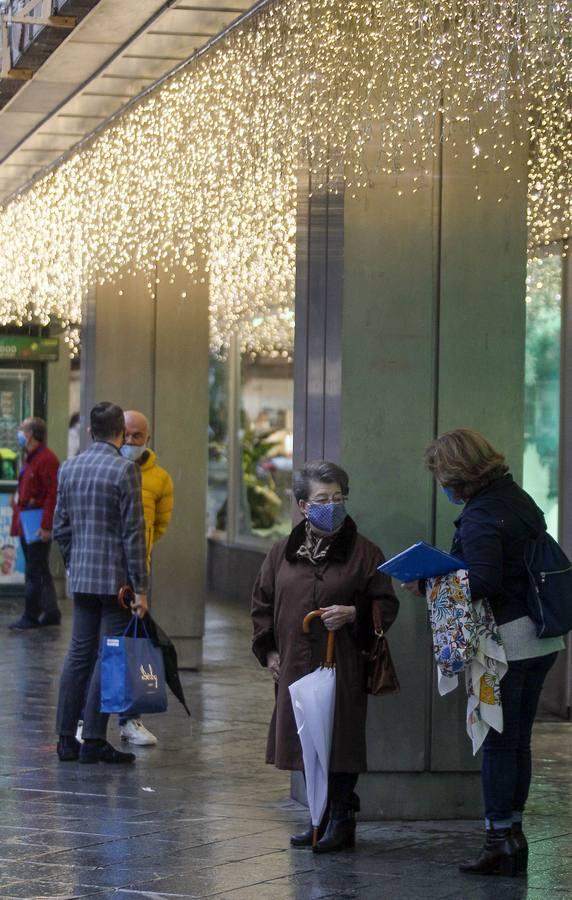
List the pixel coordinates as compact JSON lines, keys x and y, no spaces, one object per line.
{"x":466,"y":638}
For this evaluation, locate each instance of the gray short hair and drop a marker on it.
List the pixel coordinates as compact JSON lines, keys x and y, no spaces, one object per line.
{"x":36,"y":427}
{"x":318,"y":470}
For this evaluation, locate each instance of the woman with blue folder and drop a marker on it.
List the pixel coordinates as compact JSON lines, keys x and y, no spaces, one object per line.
{"x":497,"y":520}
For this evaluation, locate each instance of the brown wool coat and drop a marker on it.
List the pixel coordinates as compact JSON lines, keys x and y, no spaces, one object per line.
{"x":286,"y":589}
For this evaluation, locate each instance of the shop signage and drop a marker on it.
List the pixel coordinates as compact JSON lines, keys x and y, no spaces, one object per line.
{"x":28,"y":349}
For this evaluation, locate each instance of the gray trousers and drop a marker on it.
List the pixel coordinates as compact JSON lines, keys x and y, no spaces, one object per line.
{"x":94,"y":615}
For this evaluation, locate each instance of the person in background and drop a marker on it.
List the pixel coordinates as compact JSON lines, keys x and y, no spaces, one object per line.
{"x":74,"y":430}
{"x":100,"y":530}
{"x":8,"y":563}
{"x":37,"y":489}
{"x":495,"y":523}
{"x":324,"y":564}
{"x":158,"y":491}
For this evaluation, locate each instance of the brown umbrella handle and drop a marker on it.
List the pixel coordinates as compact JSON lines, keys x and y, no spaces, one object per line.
{"x":125,"y":596}
{"x":315,"y":614}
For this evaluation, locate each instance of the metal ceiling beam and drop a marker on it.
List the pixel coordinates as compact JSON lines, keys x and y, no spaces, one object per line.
{"x":191,"y":60}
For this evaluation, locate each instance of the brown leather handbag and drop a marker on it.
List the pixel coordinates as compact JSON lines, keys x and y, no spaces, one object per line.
{"x":381,"y":675}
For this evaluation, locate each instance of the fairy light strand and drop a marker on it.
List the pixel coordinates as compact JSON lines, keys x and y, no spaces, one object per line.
{"x":202,"y":173}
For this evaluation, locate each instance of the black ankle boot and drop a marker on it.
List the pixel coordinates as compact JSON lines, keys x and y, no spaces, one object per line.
{"x":521,"y":848}
{"x":304,"y":838}
{"x":341,"y":831}
{"x":498,"y":856}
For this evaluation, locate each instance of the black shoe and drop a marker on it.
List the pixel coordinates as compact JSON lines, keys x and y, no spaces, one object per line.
{"x":101,"y":751}
{"x":68,"y":748}
{"x":47,"y":619}
{"x":521,"y":848}
{"x":498,"y":857}
{"x":341,"y":831}
{"x":305,"y":838}
{"x":23,"y":624}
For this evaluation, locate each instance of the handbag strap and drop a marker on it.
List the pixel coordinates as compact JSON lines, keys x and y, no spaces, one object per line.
{"x":133,"y":624}
{"x":376,"y":616}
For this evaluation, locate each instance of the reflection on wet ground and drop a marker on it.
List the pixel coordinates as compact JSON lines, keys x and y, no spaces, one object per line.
{"x":202,"y":816}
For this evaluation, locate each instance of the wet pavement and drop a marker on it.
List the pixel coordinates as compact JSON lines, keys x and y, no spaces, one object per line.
{"x":202,"y":816}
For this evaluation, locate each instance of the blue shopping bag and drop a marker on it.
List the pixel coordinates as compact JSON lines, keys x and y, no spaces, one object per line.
{"x":132,"y":673}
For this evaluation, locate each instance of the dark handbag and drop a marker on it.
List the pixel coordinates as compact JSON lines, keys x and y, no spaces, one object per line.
{"x":381,"y":675}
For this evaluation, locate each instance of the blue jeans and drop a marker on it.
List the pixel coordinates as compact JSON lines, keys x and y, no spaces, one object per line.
{"x":507,"y":763}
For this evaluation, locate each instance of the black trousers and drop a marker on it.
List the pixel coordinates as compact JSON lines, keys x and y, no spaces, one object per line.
{"x":94,"y":615}
{"x":39,"y":592}
{"x":341,"y":786}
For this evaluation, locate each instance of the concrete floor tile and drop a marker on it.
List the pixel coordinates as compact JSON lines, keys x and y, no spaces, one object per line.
{"x":201,"y":815}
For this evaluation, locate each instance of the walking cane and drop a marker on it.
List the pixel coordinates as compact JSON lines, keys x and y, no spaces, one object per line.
{"x":329,"y":663}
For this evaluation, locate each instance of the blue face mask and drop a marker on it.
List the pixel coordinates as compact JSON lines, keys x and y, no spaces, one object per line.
{"x":21,"y":439}
{"x":327,"y":516}
{"x":452,"y":497}
{"x":134,"y":452}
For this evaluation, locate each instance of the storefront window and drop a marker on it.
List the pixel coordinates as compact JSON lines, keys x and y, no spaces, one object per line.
{"x":218,"y":445}
{"x":542,"y":384}
{"x":266,"y":400}
{"x":250,"y":447}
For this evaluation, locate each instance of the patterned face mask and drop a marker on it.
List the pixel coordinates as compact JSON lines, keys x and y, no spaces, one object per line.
{"x":327,"y":516}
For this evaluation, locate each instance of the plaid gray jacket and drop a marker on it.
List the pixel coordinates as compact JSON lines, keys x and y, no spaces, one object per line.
{"x":99,"y":524}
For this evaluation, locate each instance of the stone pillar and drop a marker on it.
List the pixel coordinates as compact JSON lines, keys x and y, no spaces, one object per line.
{"x":151,"y":353}
{"x":58,"y":380}
{"x":181,"y":440}
{"x":432,"y":337}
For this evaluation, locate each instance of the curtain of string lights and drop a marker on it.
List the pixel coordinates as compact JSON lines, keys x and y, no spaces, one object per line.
{"x":205,"y":167}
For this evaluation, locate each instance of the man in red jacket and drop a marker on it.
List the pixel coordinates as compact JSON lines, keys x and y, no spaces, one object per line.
{"x":37,"y":489}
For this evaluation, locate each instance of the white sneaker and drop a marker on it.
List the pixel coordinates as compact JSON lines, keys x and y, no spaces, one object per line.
{"x":79,"y":732}
{"x":135,"y":732}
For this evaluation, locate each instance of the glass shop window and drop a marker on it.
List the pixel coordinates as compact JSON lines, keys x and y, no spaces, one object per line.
{"x":218,"y":445}
{"x":266,"y":410}
{"x":250,"y":447}
{"x":542,"y":383}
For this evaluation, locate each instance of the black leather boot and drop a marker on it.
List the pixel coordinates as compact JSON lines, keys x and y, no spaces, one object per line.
{"x":498,"y":856}
{"x":521,"y":848}
{"x":304,"y":838}
{"x":341,"y":831}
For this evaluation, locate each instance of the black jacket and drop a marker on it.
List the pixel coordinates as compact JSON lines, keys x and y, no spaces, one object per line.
{"x":491,"y":536}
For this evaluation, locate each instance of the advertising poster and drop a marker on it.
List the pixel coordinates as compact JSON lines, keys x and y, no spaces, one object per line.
{"x":11,"y":555}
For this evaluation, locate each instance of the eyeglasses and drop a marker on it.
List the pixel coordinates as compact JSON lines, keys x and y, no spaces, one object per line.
{"x":322,"y":501}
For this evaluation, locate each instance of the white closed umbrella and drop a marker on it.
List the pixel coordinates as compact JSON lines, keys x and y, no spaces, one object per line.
{"x":313,"y":700}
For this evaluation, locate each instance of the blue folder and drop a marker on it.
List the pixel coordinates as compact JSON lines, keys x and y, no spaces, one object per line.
{"x":421,"y":561}
{"x":31,"y":520}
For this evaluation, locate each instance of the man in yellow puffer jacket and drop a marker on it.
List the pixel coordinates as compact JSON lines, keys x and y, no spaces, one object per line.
{"x":157,"y":487}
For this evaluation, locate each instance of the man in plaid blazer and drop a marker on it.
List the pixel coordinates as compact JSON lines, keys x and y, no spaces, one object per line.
{"x":100,"y":529}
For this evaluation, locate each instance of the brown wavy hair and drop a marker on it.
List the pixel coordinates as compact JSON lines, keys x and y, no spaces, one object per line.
{"x":464,"y":460}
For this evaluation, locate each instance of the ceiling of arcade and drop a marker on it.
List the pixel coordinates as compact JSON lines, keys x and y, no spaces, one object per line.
{"x":113,"y":54}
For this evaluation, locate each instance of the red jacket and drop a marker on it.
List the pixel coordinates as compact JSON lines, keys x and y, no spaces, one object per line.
{"x":37,"y":487}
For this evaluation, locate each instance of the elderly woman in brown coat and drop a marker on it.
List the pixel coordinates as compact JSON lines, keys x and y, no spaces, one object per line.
{"x":324,"y":564}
